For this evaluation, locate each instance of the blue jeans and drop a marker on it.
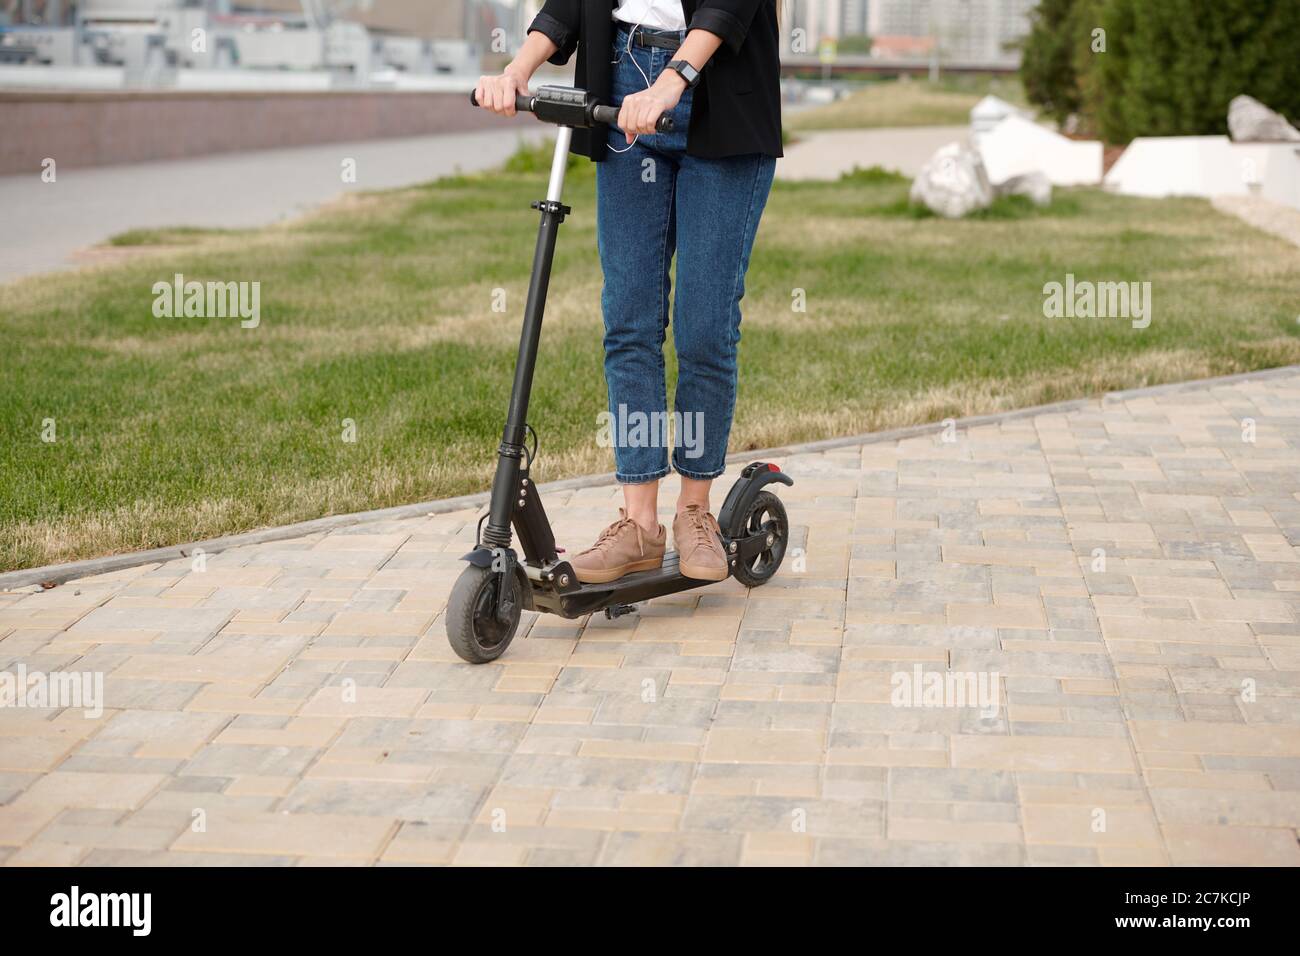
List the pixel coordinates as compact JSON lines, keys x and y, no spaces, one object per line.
{"x":654,"y":200}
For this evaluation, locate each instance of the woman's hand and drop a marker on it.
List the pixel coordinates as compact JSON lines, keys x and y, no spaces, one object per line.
{"x":497,"y":93}
{"x":640,"y":111}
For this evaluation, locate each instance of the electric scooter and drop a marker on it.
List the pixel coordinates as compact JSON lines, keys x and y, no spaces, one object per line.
{"x":497,"y":585}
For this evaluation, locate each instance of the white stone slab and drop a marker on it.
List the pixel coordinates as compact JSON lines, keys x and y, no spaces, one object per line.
{"x":1270,"y":171}
{"x":1208,"y":166}
{"x":1018,"y":145}
{"x":988,"y":113}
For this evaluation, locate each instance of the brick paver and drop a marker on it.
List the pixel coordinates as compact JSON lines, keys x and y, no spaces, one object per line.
{"x":1095,"y":616}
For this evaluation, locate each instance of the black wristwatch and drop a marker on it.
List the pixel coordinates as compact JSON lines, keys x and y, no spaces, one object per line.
{"x":687,"y":73}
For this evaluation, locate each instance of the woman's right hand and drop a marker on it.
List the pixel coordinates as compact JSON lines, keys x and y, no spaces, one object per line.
{"x":497,"y":93}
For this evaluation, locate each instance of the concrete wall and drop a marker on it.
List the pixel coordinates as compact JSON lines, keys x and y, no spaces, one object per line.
{"x":1208,"y":166}
{"x":99,"y":129}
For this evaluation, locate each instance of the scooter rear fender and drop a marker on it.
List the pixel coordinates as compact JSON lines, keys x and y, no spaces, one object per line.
{"x":744,"y":491}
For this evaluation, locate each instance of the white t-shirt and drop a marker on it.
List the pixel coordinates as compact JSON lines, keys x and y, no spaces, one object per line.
{"x":652,"y":14}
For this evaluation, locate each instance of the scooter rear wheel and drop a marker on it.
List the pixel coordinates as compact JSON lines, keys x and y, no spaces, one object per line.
{"x":474,"y":628}
{"x":765,"y":515}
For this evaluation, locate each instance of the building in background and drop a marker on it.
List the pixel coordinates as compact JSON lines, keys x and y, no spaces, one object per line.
{"x":853,"y":18}
{"x":441,"y":19}
{"x":806,"y":23}
{"x":977,"y":32}
{"x":226,"y":44}
{"x":471,"y":20}
{"x":378,"y":42}
{"x":967,"y":31}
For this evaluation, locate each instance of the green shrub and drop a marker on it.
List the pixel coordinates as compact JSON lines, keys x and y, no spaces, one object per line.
{"x":1166,"y":68}
{"x":873,"y":174}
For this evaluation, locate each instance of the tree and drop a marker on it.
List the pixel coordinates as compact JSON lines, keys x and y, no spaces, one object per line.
{"x":1165,"y":68}
{"x":1105,"y":81}
{"x":1047,"y":67}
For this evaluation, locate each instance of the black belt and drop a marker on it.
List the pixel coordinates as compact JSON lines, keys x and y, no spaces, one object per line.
{"x":662,"y":41}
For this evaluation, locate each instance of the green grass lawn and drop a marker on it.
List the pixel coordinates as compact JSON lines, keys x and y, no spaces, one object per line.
{"x":379,"y":310}
{"x":897,"y":103}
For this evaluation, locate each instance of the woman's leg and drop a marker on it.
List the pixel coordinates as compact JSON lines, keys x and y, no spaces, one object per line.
{"x":636,"y":234}
{"x":636,"y":237}
{"x":695,"y":491}
{"x":641,"y":503}
{"x":719,"y":203}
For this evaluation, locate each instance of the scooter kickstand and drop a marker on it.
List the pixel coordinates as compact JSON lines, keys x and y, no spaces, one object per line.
{"x":619,"y":610}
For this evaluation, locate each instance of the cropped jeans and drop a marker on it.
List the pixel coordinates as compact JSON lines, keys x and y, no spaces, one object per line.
{"x":653,"y":200}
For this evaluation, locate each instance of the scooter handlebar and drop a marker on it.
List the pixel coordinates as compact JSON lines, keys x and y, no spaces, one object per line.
{"x":523,"y":102}
{"x":604,"y":115}
{"x":608,"y":115}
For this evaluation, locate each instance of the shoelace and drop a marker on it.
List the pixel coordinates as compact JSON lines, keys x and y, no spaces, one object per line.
{"x":609,"y":534}
{"x":701,"y":524}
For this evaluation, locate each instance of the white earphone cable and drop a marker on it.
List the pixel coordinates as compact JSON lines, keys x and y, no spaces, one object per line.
{"x":631,"y":35}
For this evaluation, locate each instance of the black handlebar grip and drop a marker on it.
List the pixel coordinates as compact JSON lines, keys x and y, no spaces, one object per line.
{"x":524,"y":104}
{"x":609,"y":116}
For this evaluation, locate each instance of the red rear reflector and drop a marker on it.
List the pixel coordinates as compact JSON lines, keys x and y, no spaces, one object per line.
{"x":771,"y":467}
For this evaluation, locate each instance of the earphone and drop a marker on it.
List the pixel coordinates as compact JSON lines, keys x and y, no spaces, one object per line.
{"x":631,"y":35}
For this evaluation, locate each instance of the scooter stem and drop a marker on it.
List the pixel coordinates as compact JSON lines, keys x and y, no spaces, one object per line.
{"x":505,"y":484}
{"x":559,"y":164}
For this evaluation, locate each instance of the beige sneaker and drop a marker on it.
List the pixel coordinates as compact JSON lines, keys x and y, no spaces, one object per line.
{"x":698,"y":540}
{"x":622,"y":548}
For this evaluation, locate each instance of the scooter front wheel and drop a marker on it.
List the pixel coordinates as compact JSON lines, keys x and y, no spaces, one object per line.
{"x":476,"y":629}
{"x":766,"y":516}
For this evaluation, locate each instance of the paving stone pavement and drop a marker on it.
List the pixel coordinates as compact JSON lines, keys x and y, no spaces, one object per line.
{"x":1123,"y":581}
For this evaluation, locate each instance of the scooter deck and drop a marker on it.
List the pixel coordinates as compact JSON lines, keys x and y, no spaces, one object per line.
{"x":629,"y":589}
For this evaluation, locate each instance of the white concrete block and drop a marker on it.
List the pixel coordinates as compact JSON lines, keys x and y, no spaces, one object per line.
{"x":988,"y":113}
{"x":1018,"y":145}
{"x":1208,"y":166}
{"x":1270,"y":171}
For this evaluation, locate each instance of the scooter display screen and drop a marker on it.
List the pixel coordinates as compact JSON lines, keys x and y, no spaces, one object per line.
{"x":564,"y":106}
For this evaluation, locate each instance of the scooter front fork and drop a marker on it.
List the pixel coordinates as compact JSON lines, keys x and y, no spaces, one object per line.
{"x":505,"y":486}
{"x":526,"y":515}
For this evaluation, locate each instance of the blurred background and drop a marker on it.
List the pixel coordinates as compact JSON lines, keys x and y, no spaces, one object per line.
{"x":119,"y":83}
{"x":378,"y":43}
{"x":137,"y":56}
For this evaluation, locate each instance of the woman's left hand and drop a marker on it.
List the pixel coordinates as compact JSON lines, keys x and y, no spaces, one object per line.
{"x":640,"y":111}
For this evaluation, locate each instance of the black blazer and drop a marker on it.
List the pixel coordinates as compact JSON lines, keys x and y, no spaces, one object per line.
{"x":736,"y":108}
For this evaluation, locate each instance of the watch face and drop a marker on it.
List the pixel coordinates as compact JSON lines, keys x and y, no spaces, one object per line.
{"x":688,"y":72}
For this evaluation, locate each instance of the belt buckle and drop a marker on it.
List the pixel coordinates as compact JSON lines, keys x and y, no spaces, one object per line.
{"x":641,"y":38}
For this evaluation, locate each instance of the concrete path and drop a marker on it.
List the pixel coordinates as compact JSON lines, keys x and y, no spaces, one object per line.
{"x":1271,"y":217}
{"x":829,"y":154}
{"x":50,"y":226}
{"x":45,"y":225}
{"x":1111,"y":596}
